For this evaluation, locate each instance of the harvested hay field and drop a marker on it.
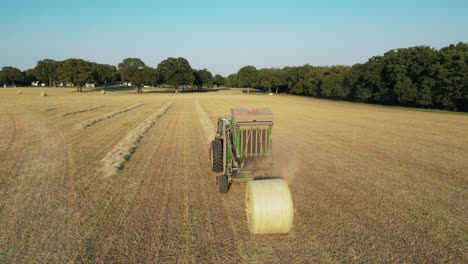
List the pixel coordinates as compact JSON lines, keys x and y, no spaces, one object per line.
{"x":50,"y":109}
{"x":208,"y":127}
{"x":81,"y":110}
{"x":115,"y":159}
{"x":93,"y":121}
{"x":369,"y":184}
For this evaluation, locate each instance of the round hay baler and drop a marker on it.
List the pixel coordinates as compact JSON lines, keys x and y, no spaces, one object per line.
{"x":242,"y":150}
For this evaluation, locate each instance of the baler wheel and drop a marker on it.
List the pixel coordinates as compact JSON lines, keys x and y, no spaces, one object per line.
{"x":223,"y":185}
{"x":217,"y":155}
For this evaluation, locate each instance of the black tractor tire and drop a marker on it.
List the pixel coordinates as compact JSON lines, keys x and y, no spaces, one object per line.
{"x":217,"y":155}
{"x":223,"y":185}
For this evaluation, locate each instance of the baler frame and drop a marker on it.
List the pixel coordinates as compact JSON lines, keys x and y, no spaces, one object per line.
{"x":246,"y":145}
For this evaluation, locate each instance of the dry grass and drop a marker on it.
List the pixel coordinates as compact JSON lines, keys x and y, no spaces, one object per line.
{"x":115,"y":159}
{"x":369,"y":184}
{"x":81,"y":111}
{"x":93,"y":121}
{"x":208,"y":127}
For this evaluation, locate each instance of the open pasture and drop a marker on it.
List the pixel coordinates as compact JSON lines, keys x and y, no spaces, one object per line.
{"x":369,"y":183}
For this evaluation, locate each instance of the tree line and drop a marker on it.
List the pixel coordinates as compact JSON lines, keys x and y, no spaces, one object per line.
{"x":419,"y":76}
{"x":77,"y":72}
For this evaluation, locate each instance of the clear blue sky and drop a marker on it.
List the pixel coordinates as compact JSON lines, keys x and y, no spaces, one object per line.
{"x":223,"y":36}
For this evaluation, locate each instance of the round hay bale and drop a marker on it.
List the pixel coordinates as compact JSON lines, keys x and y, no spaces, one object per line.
{"x":43,"y":93}
{"x":270,"y":94}
{"x":103,"y":92}
{"x":20,"y":92}
{"x":269,"y":206}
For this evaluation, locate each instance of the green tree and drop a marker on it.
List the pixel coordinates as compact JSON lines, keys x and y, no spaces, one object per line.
{"x":11,"y":75}
{"x":219,"y":80}
{"x":359,"y":83}
{"x":247,"y":77}
{"x":331,"y":82}
{"x":29,"y":77}
{"x":264,"y":80}
{"x":202,"y":77}
{"x":269,"y":79}
{"x":278,"y":80}
{"x":176,"y":72}
{"x":312,"y":83}
{"x":104,"y":74}
{"x":295,"y":79}
{"x":77,"y":71}
{"x":452,"y":77}
{"x":150,"y":76}
{"x":232,"y":80}
{"x":132,"y":70}
{"x":48,"y":71}
{"x":369,"y":86}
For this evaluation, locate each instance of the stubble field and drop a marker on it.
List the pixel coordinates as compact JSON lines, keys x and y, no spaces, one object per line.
{"x":369,"y":183}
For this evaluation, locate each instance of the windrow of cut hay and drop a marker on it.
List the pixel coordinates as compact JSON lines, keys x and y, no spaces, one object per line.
{"x":114,"y":161}
{"x":208,"y":127}
{"x":81,"y":111}
{"x":50,"y":109}
{"x":93,"y":121}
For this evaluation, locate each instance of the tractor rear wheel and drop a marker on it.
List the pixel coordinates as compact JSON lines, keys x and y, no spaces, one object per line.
{"x":217,"y":155}
{"x":223,"y":185}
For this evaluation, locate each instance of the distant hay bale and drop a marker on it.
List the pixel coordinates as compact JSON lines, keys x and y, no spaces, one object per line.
{"x":92,"y":121}
{"x":103,"y":92}
{"x":43,"y":94}
{"x":270,"y":94}
{"x":20,"y":92}
{"x":114,"y":161}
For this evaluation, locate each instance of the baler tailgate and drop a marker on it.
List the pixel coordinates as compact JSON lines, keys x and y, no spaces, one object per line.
{"x":253,"y":141}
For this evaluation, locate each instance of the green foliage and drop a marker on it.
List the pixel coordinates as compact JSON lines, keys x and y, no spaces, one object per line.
{"x":48,"y":71}
{"x":176,"y":72}
{"x":10,"y":76}
{"x":331,"y":82}
{"x":247,"y":76}
{"x":131,"y":70}
{"x":269,"y":79}
{"x":29,"y":76}
{"x":219,"y":80}
{"x":76,"y":71}
{"x":202,"y":78}
{"x":418,"y":76}
{"x":232,"y":80}
{"x":104,"y":74}
{"x":150,"y":76}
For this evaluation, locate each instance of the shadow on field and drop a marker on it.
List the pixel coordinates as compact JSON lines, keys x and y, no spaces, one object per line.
{"x":171,"y":90}
{"x":114,"y":89}
{"x":253,"y":91}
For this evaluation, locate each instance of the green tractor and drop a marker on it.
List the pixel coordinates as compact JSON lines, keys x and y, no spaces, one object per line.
{"x":242,"y":150}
